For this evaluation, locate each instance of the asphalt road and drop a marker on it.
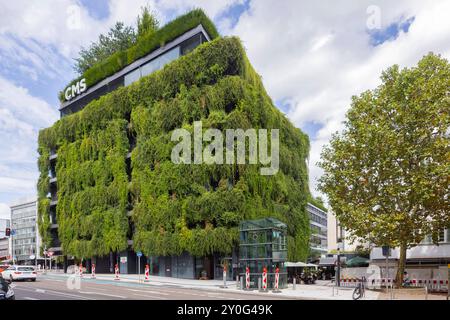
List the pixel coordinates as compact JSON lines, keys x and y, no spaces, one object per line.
{"x":47,"y":288}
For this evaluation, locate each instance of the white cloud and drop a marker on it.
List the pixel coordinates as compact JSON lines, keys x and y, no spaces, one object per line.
{"x":312,"y":55}
{"x":5,"y":211}
{"x":21,"y":118}
{"x":316,"y":55}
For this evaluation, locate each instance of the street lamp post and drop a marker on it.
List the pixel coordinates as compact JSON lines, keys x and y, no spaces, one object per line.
{"x":338,"y":271}
{"x":338,"y":262}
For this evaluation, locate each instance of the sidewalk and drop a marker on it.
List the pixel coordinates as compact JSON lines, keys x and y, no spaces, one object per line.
{"x":313,"y":292}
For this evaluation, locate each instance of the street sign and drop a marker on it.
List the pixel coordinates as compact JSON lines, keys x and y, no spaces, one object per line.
{"x":139,"y":254}
{"x":13,"y":232}
{"x":123,"y":259}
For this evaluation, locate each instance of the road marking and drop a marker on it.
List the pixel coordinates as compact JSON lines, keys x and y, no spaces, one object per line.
{"x":148,"y":296}
{"x":148,"y":291}
{"x":55,"y":293}
{"x":102,"y":294}
{"x":29,"y":298}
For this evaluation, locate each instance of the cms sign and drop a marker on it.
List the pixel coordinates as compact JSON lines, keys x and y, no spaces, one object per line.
{"x":75,"y":89}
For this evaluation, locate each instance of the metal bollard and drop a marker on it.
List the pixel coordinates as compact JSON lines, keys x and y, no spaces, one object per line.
{"x":237,"y":282}
{"x":293,"y":284}
{"x":426,"y":293}
{"x":259,"y":284}
{"x":242,"y":283}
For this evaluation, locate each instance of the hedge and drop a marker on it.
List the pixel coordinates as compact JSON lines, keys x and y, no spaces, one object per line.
{"x":144,"y":46}
{"x":175,"y":208}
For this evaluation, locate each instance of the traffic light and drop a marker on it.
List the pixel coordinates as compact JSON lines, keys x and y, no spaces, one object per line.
{"x":8,"y":232}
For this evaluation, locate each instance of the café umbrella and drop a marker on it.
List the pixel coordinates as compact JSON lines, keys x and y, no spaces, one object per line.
{"x":358,"y":262}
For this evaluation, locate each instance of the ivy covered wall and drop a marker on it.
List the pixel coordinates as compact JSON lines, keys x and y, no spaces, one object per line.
{"x":175,"y":208}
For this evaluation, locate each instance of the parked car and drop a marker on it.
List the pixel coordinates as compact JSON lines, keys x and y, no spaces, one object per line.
{"x":14,"y":273}
{"x":6,"y":292}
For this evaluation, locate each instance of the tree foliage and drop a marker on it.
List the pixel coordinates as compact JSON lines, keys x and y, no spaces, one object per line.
{"x":118,"y":38}
{"x":387,"y":174}
{"x":147,"y":23}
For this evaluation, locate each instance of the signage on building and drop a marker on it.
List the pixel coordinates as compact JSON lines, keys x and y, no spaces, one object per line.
{"x":75,"y":89}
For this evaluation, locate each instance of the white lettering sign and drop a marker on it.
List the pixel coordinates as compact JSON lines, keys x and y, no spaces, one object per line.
{"x":75,"y":89}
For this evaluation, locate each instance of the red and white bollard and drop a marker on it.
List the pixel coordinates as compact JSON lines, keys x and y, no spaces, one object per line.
{"x":81,"y":270}
{"x":116,"y":270}
{"x":264,"y":279}
{"x":247,"y":278}
{"x":225,"y":276}
{"x":277,"y":280}
{"x":93,"y":271}
{"x":147,"y":273}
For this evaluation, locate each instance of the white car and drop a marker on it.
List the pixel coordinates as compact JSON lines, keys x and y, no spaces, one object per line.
{"x":19,"y":273}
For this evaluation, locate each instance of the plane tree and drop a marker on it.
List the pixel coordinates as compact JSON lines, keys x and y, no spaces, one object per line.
{"x":387,"y":173}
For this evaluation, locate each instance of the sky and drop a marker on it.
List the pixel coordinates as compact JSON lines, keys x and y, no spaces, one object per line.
{"x":313,"y":56}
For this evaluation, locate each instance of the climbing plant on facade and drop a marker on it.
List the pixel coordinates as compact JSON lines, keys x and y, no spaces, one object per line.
{"x":174,"y":208}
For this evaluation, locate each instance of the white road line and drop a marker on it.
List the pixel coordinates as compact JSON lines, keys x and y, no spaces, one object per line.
{"x":148,"y":296}
{"x":102,"y":294}
{"x":29,"y":298}
{"x":149,"y":291}
{"x":55,"y":293}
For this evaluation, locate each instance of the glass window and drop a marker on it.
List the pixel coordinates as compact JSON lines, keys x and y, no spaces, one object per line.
{"x":160,"y":62}
{"x":441,"y":236}
{"x":132,"y":77}
{"x":191,"y":44}
{"x":150,"y":67}
{"x":169,"y":56}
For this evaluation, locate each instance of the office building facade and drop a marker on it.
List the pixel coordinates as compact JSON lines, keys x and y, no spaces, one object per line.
{"x":319,"y":230}
{"x":25,"y":238}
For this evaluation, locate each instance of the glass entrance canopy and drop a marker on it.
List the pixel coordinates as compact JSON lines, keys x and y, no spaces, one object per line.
{"x":262,"y":244}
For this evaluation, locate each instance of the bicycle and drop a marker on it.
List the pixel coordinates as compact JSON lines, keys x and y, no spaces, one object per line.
{"x":360,"y":290}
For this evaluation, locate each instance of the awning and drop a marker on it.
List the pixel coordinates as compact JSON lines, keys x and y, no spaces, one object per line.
{"x":330,"y":261}
{"x":358,"y":262}
{"x":295,"y":264}
{"x":311,"y":265}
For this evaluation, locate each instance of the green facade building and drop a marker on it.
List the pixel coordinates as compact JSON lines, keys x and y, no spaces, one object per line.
{"x":108,"y":188}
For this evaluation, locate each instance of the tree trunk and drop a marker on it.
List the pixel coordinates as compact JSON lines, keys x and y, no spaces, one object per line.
{"x":401,"y":265}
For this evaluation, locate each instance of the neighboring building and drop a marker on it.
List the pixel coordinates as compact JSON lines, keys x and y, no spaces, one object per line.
{"x":108,"y":187}
{"x":338,"y":237}
{"x":425,"y":254}
{"x":319,"y":230}
{"x":4,"y":240}
{"x":25,"y":238}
